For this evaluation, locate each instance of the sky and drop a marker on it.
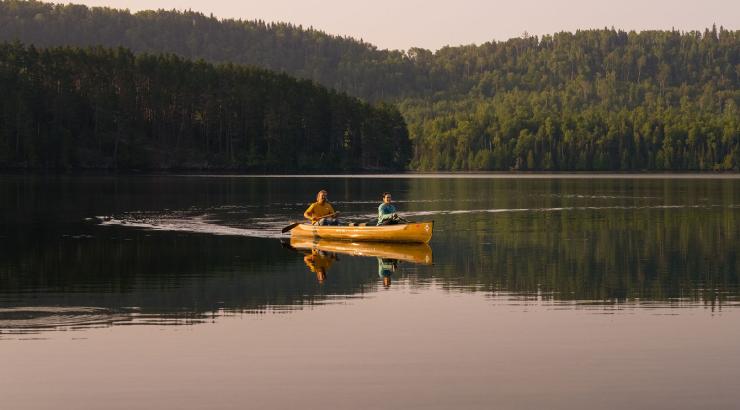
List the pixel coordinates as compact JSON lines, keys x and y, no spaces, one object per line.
{"x":402,"y":24}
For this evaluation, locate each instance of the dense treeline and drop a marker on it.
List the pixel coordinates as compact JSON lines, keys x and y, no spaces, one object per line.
{"x":590,"y":100}
{"x":337,"y":62}
{"x":108,"y":108}
{"x":594,"y":100}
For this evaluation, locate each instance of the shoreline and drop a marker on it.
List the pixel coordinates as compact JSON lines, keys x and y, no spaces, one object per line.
{"x":400,"y":175}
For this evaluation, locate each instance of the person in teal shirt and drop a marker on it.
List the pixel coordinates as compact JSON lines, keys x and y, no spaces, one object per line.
{"x":387,"y":213}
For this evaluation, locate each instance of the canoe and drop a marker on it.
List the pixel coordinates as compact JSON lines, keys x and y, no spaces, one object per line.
{"x":419,"y":232}
{"x":419,"y":253}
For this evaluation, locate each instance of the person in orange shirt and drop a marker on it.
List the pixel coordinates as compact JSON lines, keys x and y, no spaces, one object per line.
{"x":319,"y":263}
{"x":321,"y":212}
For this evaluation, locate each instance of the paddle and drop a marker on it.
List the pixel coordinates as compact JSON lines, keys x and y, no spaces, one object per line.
{"x":289,"y":227}
{"x":293,"y":225}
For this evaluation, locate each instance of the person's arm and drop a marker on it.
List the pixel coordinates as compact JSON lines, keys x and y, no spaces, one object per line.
{"x":309,"y":213}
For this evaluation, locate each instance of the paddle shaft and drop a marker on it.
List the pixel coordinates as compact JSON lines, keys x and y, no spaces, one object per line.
{"x":294,"y":224}
{"x":289,"y":227}
{"x":327,"y":216}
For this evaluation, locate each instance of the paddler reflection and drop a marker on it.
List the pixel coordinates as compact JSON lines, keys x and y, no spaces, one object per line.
{"x":319,"y":262}
{"x":320,"y":254}
{"x":386,"y":267}
{"x":418,"y":253}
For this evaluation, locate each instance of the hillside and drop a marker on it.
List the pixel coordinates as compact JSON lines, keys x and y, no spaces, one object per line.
{"x":590,"y":100}
{"x":71,"y":108}
{"x":337,"y":62}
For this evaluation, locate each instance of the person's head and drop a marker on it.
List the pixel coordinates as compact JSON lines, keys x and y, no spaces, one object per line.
{"x":321,"y":196}
{"x":321,"y":275}
{"x":386,"y":197}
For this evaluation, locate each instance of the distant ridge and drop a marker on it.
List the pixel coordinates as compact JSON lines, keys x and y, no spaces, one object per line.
{"x":333,"y":61}
{"x":590,"y":100}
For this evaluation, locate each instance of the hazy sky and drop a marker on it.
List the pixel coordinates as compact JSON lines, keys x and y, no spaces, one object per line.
{"x":431,"y":24}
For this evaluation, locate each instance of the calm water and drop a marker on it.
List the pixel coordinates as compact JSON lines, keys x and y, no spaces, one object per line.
{"x":180,"y":292}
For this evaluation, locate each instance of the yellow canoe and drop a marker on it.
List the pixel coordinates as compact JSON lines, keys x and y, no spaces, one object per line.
{"x":410,"y":252}
{"x":420,"y":232}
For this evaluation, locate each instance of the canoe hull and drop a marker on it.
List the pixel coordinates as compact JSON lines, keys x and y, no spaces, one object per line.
{"x":420,"y":232}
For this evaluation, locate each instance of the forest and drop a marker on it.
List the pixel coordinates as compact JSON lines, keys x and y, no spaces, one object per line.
{"x":101,"y":108}
{"x":594,"y":100}
{"x":590,"y":100}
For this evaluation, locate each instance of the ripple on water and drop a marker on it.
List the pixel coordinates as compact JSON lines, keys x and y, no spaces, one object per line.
{"x":35,"y":319}
{"x":197,"y":224}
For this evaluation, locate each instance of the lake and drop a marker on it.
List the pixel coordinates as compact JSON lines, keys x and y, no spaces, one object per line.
{"x":556,"y":291}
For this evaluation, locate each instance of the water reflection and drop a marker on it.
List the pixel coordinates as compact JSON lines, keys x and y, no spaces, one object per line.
{"x":33,"y":319}
{"x":547,"y":274}
{"x":320,"y":254}
{"x":419,"y":253}
{"x":386,"y":268}
{"x":319,"y":262}
{"x":184,"y":248}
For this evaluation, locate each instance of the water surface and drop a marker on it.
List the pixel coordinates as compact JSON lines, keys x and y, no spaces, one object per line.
{"x":181,"y":292}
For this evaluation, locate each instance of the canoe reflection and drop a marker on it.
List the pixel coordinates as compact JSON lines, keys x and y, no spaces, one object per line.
{"x":419,"y":253}
{"x":321,"y":254}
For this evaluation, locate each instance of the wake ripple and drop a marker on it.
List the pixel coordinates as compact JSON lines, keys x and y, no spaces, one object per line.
{"x":269,"y":226}
{"x":555,"y":209}
{"x":30,"y":318}
{"x":35,"y":319}
{"x":197,"y":224}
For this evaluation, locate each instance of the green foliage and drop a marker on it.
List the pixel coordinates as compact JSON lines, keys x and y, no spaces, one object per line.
{"x":593,"y":100}
{"x":108,"y":108}
{"x":590,"y":100}
{"x":337,"y":62}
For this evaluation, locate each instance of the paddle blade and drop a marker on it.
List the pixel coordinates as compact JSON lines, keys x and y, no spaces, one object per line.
{"x":289,"y":227}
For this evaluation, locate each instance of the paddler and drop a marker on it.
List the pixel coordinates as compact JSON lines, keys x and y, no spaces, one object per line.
{"x":387,"y":213}
{"x":321,"y":212}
